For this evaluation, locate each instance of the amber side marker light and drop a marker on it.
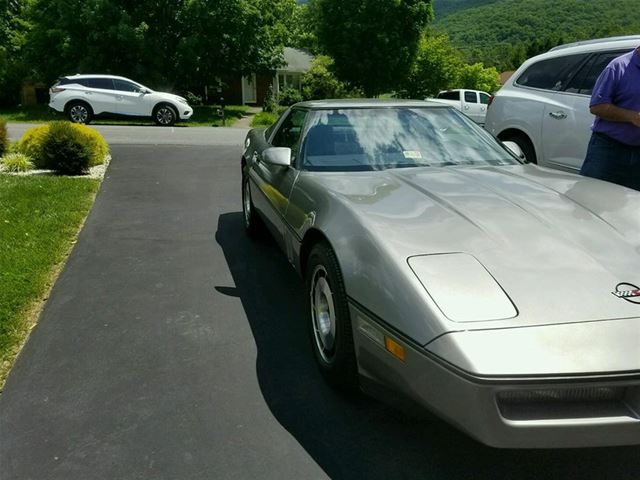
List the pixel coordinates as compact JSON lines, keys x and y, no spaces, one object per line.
{"x":394,"y":348}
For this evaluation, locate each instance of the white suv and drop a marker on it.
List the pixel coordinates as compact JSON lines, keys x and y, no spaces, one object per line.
{"x":81,"y":97}
{"x":544,"y":106}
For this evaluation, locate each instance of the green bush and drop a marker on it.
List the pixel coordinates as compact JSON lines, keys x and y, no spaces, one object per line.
{"x":32,"y":143}
{"x":263,"y":119}
{"x":193,"y":99}
{"x":4,"y":137}
{"x":289,"y":96}
{"x":66,"y":150}
{"x":16,"y":162}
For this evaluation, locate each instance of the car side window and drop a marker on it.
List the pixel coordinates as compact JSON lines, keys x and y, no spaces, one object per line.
{"x":552,"y":74}
{"x":585,"y":80}
{"x":470,"y":97}
{"x":484,"y":98}
{"x":100,"y":83}
{"x":125,"y":86}
{"x":288,"y":135}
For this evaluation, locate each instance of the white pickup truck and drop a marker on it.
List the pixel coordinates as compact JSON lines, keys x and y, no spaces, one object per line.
{"x":473,"y":103}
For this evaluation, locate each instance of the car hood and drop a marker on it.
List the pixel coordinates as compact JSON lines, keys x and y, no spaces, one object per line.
{"x":171,"y":96}
{"x":557,"y":244}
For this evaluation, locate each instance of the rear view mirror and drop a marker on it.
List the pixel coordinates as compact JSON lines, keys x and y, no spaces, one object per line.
{"x":277,"y":156}
{"x":514,"y":148}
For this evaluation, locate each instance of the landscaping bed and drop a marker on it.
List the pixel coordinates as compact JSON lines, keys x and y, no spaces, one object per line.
{"x":40,"y":217}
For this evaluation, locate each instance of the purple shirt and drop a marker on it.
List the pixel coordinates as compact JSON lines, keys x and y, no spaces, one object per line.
{"x":619,"y":84}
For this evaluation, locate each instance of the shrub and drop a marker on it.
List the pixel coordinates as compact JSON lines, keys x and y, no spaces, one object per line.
{"x":270,"y":104}
{"x":289,"y":96}
{"x":96,"y":143}
{"x":32,"y":143}
{"x":193,"y":99}
{"x":4,"y":137}
{"x":17,"y":162}
{"x":263,"y":119}
{"x":66,"y":150}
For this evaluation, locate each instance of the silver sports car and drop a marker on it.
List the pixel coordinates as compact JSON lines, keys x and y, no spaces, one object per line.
{"x":502,"y":296}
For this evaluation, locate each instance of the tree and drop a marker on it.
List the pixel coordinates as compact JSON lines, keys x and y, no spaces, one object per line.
{"x":440,"y":66}
{"x":320,"y":82}
{"x":372,"y":42}
{"x":229,"y":37}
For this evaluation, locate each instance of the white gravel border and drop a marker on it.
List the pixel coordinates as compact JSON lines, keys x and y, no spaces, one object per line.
{"x":94,"y":172}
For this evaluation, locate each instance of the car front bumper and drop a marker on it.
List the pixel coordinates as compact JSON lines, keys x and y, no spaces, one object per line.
{"x":519,"y":412}
{"x":185,"y":112}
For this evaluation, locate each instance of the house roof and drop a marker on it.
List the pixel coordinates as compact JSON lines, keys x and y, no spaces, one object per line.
{"x":297,"y":61}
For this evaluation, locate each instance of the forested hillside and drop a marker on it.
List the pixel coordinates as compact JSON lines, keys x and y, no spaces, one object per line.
{"x":442,"y":8}
{"x":506,"y":29}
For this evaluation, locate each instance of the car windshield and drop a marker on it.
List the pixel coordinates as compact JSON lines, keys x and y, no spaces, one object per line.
{"x":382,"y":138}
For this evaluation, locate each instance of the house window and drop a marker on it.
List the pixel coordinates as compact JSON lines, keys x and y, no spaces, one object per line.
{"x":288,"y":80}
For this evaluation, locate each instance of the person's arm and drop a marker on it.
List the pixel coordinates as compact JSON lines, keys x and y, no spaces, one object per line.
{"x":610,"y":112}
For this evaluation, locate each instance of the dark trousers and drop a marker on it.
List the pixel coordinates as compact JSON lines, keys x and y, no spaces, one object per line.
{"x":612,"y":161}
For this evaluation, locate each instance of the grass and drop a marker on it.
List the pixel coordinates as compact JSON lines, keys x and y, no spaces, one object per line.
{"x":40,"y":217}
{"x":203,"y":116}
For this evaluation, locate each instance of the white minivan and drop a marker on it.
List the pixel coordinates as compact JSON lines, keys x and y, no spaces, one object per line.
{"x":544,"y":106}
{"x":81,"y":97}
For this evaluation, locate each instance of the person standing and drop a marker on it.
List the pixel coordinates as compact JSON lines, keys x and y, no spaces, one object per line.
{"x":614,"y":149}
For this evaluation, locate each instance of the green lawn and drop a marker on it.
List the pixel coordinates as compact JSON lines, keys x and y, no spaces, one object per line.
{"x":205,"y":115}
{"x":40,"y":217}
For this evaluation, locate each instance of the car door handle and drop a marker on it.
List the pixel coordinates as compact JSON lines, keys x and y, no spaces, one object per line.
{"x":119,"y":97}
{"x":466,"y":107}
{"x":88,"y":93}
{"x":558,"y":115}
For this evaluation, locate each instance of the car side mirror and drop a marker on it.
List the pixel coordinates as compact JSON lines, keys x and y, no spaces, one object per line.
{"x":514,"y":148}
{"x":277,"y":156}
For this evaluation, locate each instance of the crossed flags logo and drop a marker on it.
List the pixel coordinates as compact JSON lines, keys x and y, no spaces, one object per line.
{"x":628,"y":292}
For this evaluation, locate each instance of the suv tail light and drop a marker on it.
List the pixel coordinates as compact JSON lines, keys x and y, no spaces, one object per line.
{"x":56,"y":90}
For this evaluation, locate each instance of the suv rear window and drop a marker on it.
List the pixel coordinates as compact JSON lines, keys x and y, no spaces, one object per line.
{"x":585,"y":80}
{"x":552,"y":74}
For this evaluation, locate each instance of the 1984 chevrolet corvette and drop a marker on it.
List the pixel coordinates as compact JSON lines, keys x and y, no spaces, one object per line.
{"x":501,"y":296}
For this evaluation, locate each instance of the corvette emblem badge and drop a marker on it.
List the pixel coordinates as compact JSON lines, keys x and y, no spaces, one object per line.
{"x":628,"y":292}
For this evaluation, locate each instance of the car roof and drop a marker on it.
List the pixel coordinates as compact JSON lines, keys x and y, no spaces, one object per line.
{"x":87,"y":75}
{"x":588,"y":46}
{"x":365,"y":103}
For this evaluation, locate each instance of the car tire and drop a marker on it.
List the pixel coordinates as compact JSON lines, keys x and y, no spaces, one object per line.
{"x":79,"y":112}
{"x":165,"y":115}
{"x":329,"y":320}
{"x":525,"y":145}
{"x":252,"y":223}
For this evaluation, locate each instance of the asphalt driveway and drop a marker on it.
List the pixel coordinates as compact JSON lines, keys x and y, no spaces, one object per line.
{"x":172,"y":347}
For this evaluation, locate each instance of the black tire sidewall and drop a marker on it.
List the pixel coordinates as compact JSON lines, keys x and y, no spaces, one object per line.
{"x":85,"y":105}
{"x":173,"y":111}
{"x":342,"y":370}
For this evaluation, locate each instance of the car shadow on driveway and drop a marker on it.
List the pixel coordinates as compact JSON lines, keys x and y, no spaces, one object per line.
{"x":364,"y":437}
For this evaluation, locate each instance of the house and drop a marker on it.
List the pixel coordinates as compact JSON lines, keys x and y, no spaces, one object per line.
{"x":252,"y":89}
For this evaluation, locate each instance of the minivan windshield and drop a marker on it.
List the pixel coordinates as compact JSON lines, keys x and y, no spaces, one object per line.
{"x":396,"y":137}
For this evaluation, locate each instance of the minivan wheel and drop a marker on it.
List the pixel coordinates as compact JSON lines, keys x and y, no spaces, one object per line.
{"x":525,"y":145}
{"x":165,"y":115}
{"x":79,"y":112}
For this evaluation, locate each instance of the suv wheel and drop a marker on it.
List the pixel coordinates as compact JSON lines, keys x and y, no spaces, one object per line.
{"x":165,"y":115}
{"x":79,"y":112}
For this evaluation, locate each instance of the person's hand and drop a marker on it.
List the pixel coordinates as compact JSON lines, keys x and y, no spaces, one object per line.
{"x":635,"y":119}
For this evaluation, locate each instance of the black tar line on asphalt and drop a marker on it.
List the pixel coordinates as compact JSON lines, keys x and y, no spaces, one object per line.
{"x":172,"y":347}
